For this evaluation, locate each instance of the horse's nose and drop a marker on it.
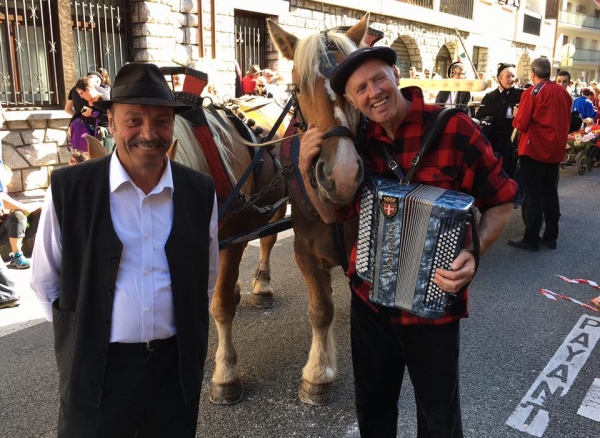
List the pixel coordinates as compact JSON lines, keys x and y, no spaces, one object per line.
{"x":322,"y":174}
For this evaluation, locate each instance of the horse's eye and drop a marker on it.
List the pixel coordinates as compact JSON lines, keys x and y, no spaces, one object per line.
{"x":296,"y":89}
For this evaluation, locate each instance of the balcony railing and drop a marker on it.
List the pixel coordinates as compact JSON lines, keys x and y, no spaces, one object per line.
{"x":577,"y":19}
{"x":583,"y":55}
{"x":427,"y":4}
{"x":460,"y":8}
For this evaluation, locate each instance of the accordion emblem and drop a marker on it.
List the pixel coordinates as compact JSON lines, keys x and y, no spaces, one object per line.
{"x":406,"y":232}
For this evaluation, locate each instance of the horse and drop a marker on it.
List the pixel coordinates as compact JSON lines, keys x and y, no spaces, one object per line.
{"x":338,"y":174}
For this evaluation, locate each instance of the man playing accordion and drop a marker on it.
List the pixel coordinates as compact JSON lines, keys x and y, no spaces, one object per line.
{"x":387,"y":340}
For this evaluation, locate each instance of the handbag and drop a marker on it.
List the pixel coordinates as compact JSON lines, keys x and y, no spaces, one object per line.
{"x":79,"y":128}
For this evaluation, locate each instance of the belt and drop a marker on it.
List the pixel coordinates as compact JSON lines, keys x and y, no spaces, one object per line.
{"x":153,"y":345}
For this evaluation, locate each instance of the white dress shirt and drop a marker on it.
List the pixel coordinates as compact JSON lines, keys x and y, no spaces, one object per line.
{"x":143,"y":303}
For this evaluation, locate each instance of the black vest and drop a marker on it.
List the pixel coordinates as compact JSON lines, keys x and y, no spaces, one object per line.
{"x":91,"y":253}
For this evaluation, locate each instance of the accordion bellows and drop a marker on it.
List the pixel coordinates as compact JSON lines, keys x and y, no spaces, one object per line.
{"x":406,"y":231}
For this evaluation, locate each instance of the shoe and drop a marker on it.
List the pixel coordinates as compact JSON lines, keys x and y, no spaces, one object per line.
{"x":550,"y":244}
{"x":11,"y":303}
{"x":521,"y":244}
{"x":19,"y":261}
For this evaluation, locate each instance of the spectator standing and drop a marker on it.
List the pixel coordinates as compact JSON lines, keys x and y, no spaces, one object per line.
{"x":262,"y":88}
{"x":497,"y":107}
{"x":543,"y":119}
{"x":456,"y":98}
{"x":105,"y":80}
{"x":249,"y":81}
{"x":128,"y":283}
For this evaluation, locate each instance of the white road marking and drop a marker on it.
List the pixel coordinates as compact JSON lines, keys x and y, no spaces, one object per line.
{"x":556,"y":379}
{"x":590,"y":407}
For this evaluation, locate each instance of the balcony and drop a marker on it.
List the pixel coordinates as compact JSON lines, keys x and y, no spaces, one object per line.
{"x":579,"y":20}
{"x":583,"y":55}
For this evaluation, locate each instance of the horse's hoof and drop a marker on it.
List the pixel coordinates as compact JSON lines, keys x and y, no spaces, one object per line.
{"x":316,"y":395}
{"x":263,"y":301}
{"x":226,"y":394}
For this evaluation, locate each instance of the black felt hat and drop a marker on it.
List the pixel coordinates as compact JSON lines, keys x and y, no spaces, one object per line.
{"x":141,"y":84}
{"x":503,"y":66}
{"x":341,"y":74}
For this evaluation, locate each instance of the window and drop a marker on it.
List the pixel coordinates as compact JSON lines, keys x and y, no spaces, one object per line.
{"x":99,"y":36}
{"x":250,"y":39}
{"x":28,"y":72}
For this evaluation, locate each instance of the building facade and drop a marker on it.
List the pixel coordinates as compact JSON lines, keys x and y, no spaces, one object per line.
{"x":576,"y":46}
{"x":217,"y":37}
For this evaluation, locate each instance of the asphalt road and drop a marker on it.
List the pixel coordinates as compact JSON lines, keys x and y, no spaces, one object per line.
{"x":528,"y":364}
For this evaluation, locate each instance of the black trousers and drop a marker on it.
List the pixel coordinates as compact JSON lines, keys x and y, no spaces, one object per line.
{"x":380,"y":353}
{"x":541,"y":199}
{"x":141,"y":398}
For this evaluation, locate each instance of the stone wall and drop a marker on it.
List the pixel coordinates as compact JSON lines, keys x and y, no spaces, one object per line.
{"x":33,"y":144}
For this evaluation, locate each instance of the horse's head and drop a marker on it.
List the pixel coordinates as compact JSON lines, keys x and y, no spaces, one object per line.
{"x":339,"y":168}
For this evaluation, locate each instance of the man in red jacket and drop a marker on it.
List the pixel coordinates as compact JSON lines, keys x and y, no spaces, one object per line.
{"x":543,"y":120}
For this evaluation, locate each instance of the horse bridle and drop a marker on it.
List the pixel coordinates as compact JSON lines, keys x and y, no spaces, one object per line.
{"x":326,"y":66}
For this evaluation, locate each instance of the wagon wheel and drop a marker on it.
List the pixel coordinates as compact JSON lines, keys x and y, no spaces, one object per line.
{"x":582,"y":168}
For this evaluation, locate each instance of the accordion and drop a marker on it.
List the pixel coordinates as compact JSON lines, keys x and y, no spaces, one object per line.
{"x":405,"y":232}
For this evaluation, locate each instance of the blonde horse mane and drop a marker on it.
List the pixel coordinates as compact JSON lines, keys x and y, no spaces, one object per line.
{"x":189,"y":151}
{"x":315,"y":47}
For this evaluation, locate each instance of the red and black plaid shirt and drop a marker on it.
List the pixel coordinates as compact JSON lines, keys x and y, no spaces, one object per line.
{"x":462,"y":161}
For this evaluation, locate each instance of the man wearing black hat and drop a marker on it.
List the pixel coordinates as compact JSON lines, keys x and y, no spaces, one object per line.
{"x":456,"y":70}
{"x":497,"y":107}
{"x":385,"y":341}
{"x":128,"y":279}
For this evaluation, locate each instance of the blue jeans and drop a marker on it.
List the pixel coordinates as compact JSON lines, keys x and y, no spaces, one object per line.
{"x":8,"y":292}
{"x":380,"y":353}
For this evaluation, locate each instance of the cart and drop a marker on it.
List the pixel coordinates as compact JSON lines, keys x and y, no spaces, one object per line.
{"x":581,"y":152}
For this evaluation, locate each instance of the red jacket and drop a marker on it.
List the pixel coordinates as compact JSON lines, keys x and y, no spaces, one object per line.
{"x":543,"y":118}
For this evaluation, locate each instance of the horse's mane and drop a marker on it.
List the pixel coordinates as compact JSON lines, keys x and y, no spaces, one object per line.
{"x":309,"y":51}
{"x":189,"y":151}
{"x":307,"y":56}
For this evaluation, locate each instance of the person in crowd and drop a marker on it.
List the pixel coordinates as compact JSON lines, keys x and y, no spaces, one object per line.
{"x":563,"y":78}
{"x":14,"y":224}
{"x":127,"y":281}
{"x":584,"y":106}
{"x":385,"y":341}
{"x":262,"y":88}
{"x":497,"y":108}
{"x":249,"y":81}
{"x":543,"y":119}
{"x":429,"y":75}
{"x":94,"y":120}
{"x":456,"y":98}
{"x":517,"y":83}
{"x":429,"y":93}
{"x":105,"y":79}
{"x":78,"y":157}
{"x":412,"y":73}
{"x":481,"y":76}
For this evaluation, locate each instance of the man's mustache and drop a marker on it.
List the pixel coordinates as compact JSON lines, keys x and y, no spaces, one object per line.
{"x":149,"y":143}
